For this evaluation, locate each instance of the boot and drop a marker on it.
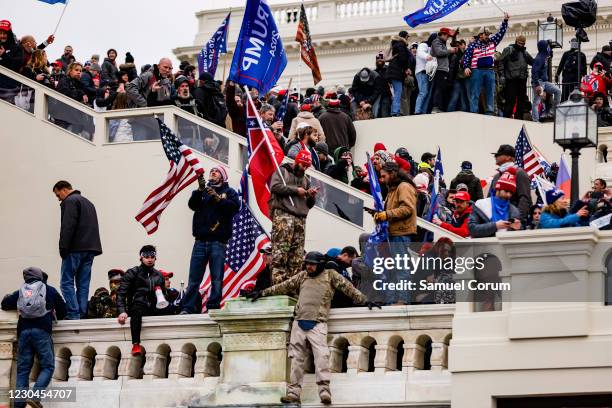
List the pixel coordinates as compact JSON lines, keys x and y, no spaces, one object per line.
{"x":136,"y":349}
{"x":325,"y":396}
{"x":290,"y":399}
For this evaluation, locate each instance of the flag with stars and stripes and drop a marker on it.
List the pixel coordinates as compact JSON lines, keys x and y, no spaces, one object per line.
{"x":184,"y":170}
{"x":243,"y":259}
{"x":528,"y":158}
{"x":306,"y":49}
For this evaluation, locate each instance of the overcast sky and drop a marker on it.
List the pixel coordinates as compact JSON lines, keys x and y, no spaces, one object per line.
{"x":149,"y":29}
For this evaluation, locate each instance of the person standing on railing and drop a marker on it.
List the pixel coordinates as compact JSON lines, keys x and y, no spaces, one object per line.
{"x":513,"y":72}
{"x":79,"y":243}
{"x":568,"y":69}
{"x":153,"y":87}
{"x":441,"y":52}
{"x":384,"y":110}
{"x":541,"y":84}
{"x":214,"y":205}
{"x":478,"y":62}
{"x":292,"y":196}
{"x":38,"y":305}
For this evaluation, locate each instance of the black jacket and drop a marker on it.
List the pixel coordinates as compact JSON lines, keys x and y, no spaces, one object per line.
{"x":604,"y":59}
{"x":72,"y":88}
{"x":88,"y":86}
{"x":568,"y":66}
{"x":79,"y":230}
{"x":108,"y":76}
{"x":401,"y":59}
{"x":340,"y":299}
{"x":212,"y":220}
{"x":367,"y":91}
{"x":471,"y":181}
{"x":137,"y":288}
{"x":382,"y":72}
{"x":204,"y":97}
{"x":55,"y":304}
{"x":514,"y":62}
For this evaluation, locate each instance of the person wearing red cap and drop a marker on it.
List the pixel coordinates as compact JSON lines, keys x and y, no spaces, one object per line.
{"x":173,"y":296}
{"x":337,"y":126}
{"x":292,"y":198}
{"x":459,"y":221}
{"x":496,"y":213}
{"x":441,"y":52}
{"x":306,"y":139}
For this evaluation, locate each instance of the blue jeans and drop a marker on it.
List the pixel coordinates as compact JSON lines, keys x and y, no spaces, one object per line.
{"x":34,"y":342}
{"x":482,"y":78}
{"x":459,"y":97}
{"x":396,"y":104}
{"x":76,"y":269}
{"x":422,"y":102}
{"x":211,"y":253}
{"x":399,"y":246}
{"x":549,"y":89}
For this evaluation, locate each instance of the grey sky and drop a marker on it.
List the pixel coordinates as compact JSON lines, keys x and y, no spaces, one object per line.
{"x":149,"y":29}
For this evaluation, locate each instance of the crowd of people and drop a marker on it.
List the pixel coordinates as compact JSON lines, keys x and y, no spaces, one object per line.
{"x":316,"y":130}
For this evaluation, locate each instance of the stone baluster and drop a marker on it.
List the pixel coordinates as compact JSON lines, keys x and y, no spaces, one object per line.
{"x":335,"y":359}
{"x":105,"y":367}
{"x":439,"y":356}
{"x":61,"y":368}
{"x":385,"y":359}
{"x":6,"y":362}
{"x":414,"y":357}
{"x":80,"y":368}
{"x":155,"y":366}
{"x":357,"y":359}
{"x":180,"y":365}
{"x":130,"y":367}
{"x":207,"y":365}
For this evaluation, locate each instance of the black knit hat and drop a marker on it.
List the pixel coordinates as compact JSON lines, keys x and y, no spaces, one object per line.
{"x":128,"y":58}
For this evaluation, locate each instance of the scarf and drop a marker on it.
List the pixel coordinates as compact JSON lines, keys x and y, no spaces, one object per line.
{"x":500,"y":209}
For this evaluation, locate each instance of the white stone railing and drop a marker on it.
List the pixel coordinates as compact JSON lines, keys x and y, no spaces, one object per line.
{"x":357,"y":8}
{"x":290,"y":13}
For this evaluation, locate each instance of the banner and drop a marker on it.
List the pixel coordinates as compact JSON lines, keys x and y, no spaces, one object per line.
{"x":208,"y":58}
{"x":259,"y":58}
{"x":306,"y":49}
{"x":433,"y":10}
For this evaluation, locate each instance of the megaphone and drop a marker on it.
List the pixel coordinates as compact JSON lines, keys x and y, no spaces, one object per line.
{"x":162,"y":303}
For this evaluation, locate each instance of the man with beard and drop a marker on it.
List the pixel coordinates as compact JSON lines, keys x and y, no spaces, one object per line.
{"x":267,"y":113}
{"x":183,"y":98}
{"x":214,"y":205}
{"x":291,"y":199}
{"x":136,"y":295}
{"x":316,"y":286}
{"x":340,"y":263}
{"x":306,"y":140}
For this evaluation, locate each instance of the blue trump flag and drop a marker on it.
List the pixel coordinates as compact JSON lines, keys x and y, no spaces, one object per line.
{"x":380,"y":234}
{"x":433,"y":10}
{"x":208,"y":58}
{"x":259,"y":58}
{"x":54,"y":1}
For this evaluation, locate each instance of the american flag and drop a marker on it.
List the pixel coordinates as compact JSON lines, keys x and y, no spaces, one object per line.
{"x":527,"y":157}
{"x":243,"y":261}
{"x":282,"y":109}
{"x":184,"y":170}
{"x":306,"y":49}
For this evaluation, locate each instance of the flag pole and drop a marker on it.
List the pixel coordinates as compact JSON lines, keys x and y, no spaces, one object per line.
{"x":496,"y":5}
{"x":299,"y":81}
{"x":269,"y":145}
{"x":61,"y":16}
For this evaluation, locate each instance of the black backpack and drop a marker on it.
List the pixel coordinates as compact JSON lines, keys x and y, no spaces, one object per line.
{"x":218,"y":107}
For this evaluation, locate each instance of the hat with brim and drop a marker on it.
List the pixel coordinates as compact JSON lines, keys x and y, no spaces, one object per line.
{"x":115,"y":274}
{"x":505,"y":150}
{"x":447,"y":31}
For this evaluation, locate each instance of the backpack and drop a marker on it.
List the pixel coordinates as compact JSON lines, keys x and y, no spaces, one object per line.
{"x":218,"y":109}
{"x":32,"y":302}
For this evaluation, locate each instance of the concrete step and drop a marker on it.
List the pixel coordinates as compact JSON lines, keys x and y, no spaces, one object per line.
{"x":279,"y":405}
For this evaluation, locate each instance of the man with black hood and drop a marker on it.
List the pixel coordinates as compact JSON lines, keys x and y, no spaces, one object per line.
{"x":605,"y":57}
{"x":467,"y":177}
{"x":137,"y":294}
{"x":210,"y":100}
{"x":568,"y":69}
{"x":38,"y":304}
{"x":316,"y":286}
{"x":396,"y":72}
{"x":540,"y":82}
{"x":153,"y":87}
{"x":343,"y":164}
{"x":513,"y":72}
{"x":214,"y":205}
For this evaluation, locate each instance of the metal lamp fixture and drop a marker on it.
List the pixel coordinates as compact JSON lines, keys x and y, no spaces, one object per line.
{"x":551,"y":30}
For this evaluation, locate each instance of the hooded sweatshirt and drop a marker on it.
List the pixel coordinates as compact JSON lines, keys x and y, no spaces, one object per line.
{"x":539,"y":71}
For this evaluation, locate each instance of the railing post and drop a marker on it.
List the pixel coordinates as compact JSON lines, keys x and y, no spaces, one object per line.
{"x":207,"y":365}
{"x":130,"y":367}
{"x":439,"y":356}
{"x":357,"y":359}
{"x":155,"y":366}
{"x":105,"y":367}
{"x":180,"y":365}
{"x":61,"y":368}
{"x":385,"y":358}
{"x":335,"y":359}
{"x":80,"y":368}
{"x":326,"y":10}
{"x":414,"y":356}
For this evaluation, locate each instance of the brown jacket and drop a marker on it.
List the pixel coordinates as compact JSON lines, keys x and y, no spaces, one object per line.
{"x":281,"y":192}
{"x":309,"y":119}
{"x":400,"y":208}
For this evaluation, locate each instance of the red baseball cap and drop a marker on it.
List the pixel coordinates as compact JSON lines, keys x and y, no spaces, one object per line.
{"x":166,"y":274}
{"x":5,"y":25}
{"x":447,"y":31}
{"x":304,"y":158}
{"x":462,"y":196}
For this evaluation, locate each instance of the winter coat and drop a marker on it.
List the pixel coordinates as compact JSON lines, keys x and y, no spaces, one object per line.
{"x":522,"y":198}
{"x":421,"y":57}
{"x":137,"y":289}
{"x":471,"y":181}
{"x":604,"y":59}
{"x":54,"y":304}
{"x":367,"y":91}
{"x":339,"y":170}
{"x":28,"y":72}
{"x":187,"y":104}
{"x":480,"y":54}
{"x":480,"y":224}
{"x":88,"y":86}
{"x":539,"y":70}
{"x":140,"y":94}
{"x":236,"y":113}
{"x":108,"y":75}
{"x":72,"y":88}
{"x":339,"y":129}
{"x":400,"y":61}
{"x":212,"y":220}
{"x":400,"y":208}
{"x":439,"y":50}
{"x":459,"y":223}
{"x":10,"y":58}
{"x":281,"y":192}
{"x":79,"y":226}
{"x":456,"y":71}
{"x":290,"y":114}
{"x":568,"y":66}
{"x":514,"y":62}
{"x":382,"y":73}
{"x":309,"y":119}
{"x":204,"y":97}
{"x":550,"y":220}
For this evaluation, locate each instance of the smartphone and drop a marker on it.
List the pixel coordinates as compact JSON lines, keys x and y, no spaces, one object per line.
{"x":370,"y":210}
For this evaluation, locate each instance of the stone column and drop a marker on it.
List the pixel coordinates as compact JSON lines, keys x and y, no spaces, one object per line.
{"x":61,"y":368}
{"x":439,"y":356}
{"x":385,"y":359}
{"x":130,"y":367}
{"x":80,"y":368}
{"x":335,"y":359}
{"x":180,"y":365}
{"x":357,"y":359}
{"x":155,"y":366}
{"x":207,"y":365}
{"x":255,"y":336}
{"x":105,"y":367}
{"x":414,"y":356}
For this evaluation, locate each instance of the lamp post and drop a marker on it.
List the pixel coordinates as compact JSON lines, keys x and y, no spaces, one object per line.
{"x":551,"y":30}
{"x":575,"y":128}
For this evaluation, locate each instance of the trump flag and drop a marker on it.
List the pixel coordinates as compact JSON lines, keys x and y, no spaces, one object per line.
{"x":259,"y":58}
{"x":433,"y":10}
{"x":208,"y":58}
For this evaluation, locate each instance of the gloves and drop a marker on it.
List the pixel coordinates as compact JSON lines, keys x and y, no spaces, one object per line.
{"x":213,"y":194}
{"x":201,"y":182}
{"x":370,"y":305}
{"x":380,"y":216}
{"x":256,"y":294}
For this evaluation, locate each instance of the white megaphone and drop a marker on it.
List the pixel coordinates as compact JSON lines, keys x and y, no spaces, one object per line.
{"x":162,"y":303}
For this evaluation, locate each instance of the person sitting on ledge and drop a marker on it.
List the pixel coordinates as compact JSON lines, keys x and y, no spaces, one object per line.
{"x":136,"y":295}
{"x":316,"y":286}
